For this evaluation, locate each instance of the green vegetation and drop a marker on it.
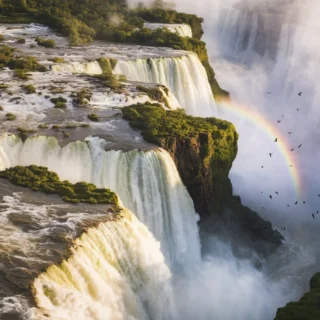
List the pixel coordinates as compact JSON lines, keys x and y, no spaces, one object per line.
{"x":20,"y":64}
{"x":41,"y":179}
{"x":93,"y":117}
{"x":307,"y":308}
{"x":1,"y":37}
{"x":43,"y":126}
{"x":160,"y":15}
{"x":46,"y":43}
{"x":155,"y":122}
{"x":82,"y":97}
{"x":29,"y":89}
{"x":55,"y":127}
{"x":3,"y":86}
{"x":57,"y":60}
{"x":59,"y":103}
{"x":10,"y":116}
{"x":155,"y":93}
{"x":21,"y":41}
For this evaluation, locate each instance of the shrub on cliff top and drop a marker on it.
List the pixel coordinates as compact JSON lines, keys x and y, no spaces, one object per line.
{"x":41,"y":179}
{"x":46,"y":43}
{"x":154,"y":121}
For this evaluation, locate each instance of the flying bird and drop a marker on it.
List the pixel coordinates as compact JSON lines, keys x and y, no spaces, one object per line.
{"x":276,"y":140}
{"x":304,"y":202}
{"x":288,"y":205}
{"x":270,"y":154}
{"x":262,"y":167}
{"x":319,"y":195}
{"x":296,"y":203}
{"x":300,"y":93}
{"x":313,"y":216}
{"x":277,"y":192}
{"x":292,"y":149}
{"x":270,"y":197}
{"x":318,"y":212}
{"x":278,"y":121}
{"x":297,"y":109}
{"x":300,"y":146}
{"x":290,"y":132}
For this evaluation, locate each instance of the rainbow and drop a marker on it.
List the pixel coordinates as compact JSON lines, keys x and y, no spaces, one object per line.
{"x":251,"y":115}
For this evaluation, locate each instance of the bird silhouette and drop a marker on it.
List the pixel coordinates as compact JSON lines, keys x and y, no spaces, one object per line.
{"x":270,"y":197}
{"x":304,"y":202}
{"x":318,"y":212}
{"x":288,"y":205}
{"x":296,"y":203}
{"x":297,"y":109}
{"x":292,"y":149}
{"x":282,"y":116}
{"x":276,"y":140}
{"x":262,"y":167}
{"x":269,"y":92}
{"x":270,"y":154}
{"x":290,"y":132}
{"x":313,"y":216}
{"x":300,"y":93}
{"x":278,"y":121}
{"x":300,"y":146}
{"x":277,"y":192}
{"x":319,"y":195}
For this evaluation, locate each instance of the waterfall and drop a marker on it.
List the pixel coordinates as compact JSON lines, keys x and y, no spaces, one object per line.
{"x":148,"y":184}
{"x":237,"y":32}
{"x":185,"y":77}
{"x":91,"y":67}
{"x":116,"y":271}
{"x":183,"y":30}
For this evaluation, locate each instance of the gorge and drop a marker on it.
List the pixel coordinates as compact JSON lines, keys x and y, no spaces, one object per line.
{"x":139,"y":111}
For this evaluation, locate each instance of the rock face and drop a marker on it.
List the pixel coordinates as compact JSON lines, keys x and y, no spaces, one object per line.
{"x":307,"y":308}
{"x":206,"y":177}
{"x":203,"y":150}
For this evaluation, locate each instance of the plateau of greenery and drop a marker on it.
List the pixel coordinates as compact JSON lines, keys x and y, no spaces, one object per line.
{"x":41,"y":179}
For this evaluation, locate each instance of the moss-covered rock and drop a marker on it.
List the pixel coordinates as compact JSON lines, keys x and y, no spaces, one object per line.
{"x":46,"y":43}
{"x":41,"y":179}
{"x":307,"y":308}
{"x":203,"y":151}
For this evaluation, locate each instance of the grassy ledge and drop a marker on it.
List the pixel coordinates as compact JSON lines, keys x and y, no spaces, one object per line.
{"x":41,"y":179}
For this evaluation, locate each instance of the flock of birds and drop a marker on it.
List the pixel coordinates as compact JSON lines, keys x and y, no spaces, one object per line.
{"x":270,"y":154}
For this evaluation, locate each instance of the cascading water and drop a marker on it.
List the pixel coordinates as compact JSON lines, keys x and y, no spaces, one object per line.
{"x":185,"y":77}
{"x":116,"y":271}
{"x":183,"y":30}
{"x":147,"y":182}
{"x":91,"y":67}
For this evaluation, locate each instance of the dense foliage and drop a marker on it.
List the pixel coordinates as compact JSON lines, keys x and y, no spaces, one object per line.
{"x":155,"y":122}
{"x":14,"y":60}
{"x":307,"y":308}
{"x":41,"y":179}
